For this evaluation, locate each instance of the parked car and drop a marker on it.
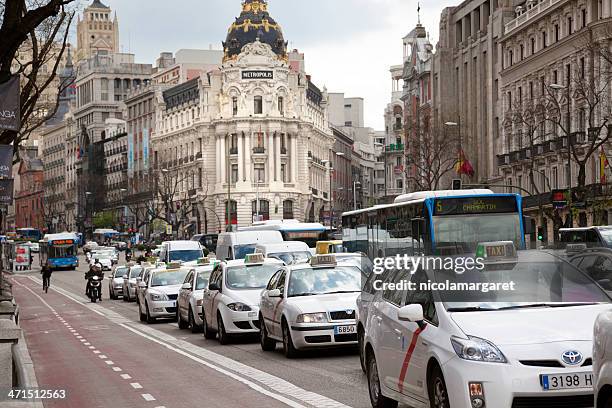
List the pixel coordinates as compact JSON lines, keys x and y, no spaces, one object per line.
{"x":602,"y":360}
{"x":597,"y":263}
{"x":191,"y":296}
{"x":130,"y":282}
{"x":104,"y":259}
{"x":158,"y":293}
{"x":208,"y":241}
{"x":596,"y":236}
{"x":290,"y":252}
{"x":236,"y":245}
{"x":89,"y":246}
{"x":231,"y":300}
{"x":115,"y":281}
{"x":310,"y":305}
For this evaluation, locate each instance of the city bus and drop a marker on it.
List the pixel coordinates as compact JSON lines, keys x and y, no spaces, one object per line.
{"x":59,"y":251}
{"x":104,"y":235}
{"x":29,"y":234}
{"x":446,"y":222}
{"x":293,"y":230}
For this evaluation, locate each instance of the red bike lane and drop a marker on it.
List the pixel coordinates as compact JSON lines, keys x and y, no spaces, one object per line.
{"x":101,"y":364}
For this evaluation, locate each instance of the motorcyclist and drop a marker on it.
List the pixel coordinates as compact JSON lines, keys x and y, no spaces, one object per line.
{"x":128,"y":254}
{"x":94,"y":270}
{"x":46,"y":272}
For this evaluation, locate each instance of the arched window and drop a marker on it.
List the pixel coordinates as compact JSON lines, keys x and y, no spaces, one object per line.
{"x":288,"y":210}
{"x":264,"y":210}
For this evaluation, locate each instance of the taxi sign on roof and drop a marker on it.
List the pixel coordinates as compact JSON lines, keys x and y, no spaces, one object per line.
{"x":204,"y":261}
{"x":575,"y":248}
{"x":173,"y":265}
{"x":498,"y":251}
{"x":253,"y":259}
{"x":323,"y":260}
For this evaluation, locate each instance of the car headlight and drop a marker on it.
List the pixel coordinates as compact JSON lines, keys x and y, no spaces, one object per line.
{"x":239,"y":307}
{"x":477,"y":349}
{"x":158,"y":296}
{"x":199,"y":302}
{"x":312,"y":318}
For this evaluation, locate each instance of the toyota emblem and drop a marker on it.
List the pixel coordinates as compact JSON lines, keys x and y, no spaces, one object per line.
{"x":572,"y":357}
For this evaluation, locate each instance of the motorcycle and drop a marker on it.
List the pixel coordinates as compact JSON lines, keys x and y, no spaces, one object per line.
{"x":95,"y":288}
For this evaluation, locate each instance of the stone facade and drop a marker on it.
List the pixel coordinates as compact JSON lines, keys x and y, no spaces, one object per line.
{"x":97,"y":32}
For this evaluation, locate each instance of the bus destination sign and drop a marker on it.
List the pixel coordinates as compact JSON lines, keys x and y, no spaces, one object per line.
{"x":62,"y":242}
{"x":475,"y":205}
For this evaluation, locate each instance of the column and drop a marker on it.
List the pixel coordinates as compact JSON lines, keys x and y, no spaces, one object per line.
{"x":270,"y":156}
{"x":240,"y":157}
{"x":223,"y":157}
{"x":219,"y":159}
{"x":277,"y":155}
{"x":248,"y":163}
{"x":294,"y":158}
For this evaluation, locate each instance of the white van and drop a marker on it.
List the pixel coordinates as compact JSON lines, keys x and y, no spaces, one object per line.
{"x":185,"y":251}
{"x":236,"y":245}
{"x":290,"y":252}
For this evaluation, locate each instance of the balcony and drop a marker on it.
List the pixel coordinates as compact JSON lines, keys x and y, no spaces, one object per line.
{"x":531,"y":11}
{"x":315,"y":192}
{"x":198,"y":155}
{"x":233,"y":150}
{"x":398,"y":147}
{"x":259,"y":150}
{"x":397,"y":127}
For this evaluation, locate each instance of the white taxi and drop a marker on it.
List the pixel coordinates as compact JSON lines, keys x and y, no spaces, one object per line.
{"x":231,"y":301}
{"x":310,"y":306}
{"x":159,"y":291}
{"x":522,"y":345}
{"x":602,"y":360}
{"x":191,"y":295}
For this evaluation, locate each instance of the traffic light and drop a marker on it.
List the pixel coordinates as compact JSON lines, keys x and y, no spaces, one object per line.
{"x":541,"y":234}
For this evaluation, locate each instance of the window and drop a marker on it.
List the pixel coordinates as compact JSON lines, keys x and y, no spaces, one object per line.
{"x":287,"y":210}
{"x":533,"y":45}
{"x":583,"y":16}
{"x":570,"y":24}
{"x":422,"y":297}
{"x":260,"y":139}
{"x":531,"y":90}
{"x":555,"y":178}
{"x":348,"y":105}
{"x":510,"y":57}
{"x":556,"y":32}
{"x":522,"y":52}
{"x":348,"y":123}
{"x":284,"y":173}
{"x":400,"y":183}
{"x":555,"y":76}
{"x":234,"y":173}
{"x":233,"y":210}
{"x":258,"y":105}
{"x":260,"y":173}
{"x":582,"y":67}
{"x":264,"y":209}
{"x":234,"y":106}
{"x":281,"y":105}
{"x":544,"y":39}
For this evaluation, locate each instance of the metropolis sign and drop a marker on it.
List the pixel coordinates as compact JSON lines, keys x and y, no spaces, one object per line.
{"x":257,"y":74}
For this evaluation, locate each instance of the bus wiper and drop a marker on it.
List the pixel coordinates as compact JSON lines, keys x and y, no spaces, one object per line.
{"x":470,"y":309}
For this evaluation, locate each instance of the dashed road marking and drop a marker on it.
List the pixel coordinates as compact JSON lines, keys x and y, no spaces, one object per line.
{"x":109,"y":362}
{"x":148,"y":397}
{"x":118,"y":369}
{"x":136,"y":386}
{"x":126,"y":376}
{"x":96,"y":351}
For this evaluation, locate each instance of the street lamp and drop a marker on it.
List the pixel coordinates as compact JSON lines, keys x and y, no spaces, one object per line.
{"x":559,"y":87}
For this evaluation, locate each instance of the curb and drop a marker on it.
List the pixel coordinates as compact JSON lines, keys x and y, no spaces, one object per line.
{"x":26,"y":376}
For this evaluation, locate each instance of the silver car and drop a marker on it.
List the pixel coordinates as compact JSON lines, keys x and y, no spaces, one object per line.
{"x":190,"y":298}
{"x":115,"y":281}
{"x":130,"y":282}
{"x":158,"y":293}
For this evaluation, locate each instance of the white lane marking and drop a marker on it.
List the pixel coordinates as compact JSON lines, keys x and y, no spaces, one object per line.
{"x":87,"y":344}
{"x":160,"y":406}
{"x":148,"y":397}
{"x":126,"y":376}
{"x":136,"y":386}
{"x":102,"y":356}
{"x":109,"y":362}
{"x":78,"y":336}
{"x":72,"y":331}
{"x":280,"y":389}
{"x":83,"y":341}
{"x":96,"y":351}
{"x":91,"y":347}
{"x":117,"y":369}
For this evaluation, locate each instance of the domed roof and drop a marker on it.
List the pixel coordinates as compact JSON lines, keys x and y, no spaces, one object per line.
{"x":254,"y":23}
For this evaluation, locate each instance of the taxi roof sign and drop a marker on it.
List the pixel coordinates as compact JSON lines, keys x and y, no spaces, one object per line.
{"x":254,"y":259}
{"x":497,"y":252}
{"x":575,"y":248}
{"x":321,"y":260}
{"x":204,"y":261}
{"x":174,"y":265}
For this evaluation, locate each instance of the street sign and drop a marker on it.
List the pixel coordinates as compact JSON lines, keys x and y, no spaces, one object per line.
{"x":10,"y":95}
{"x":559,"y":198}
{"x":168,"y":229}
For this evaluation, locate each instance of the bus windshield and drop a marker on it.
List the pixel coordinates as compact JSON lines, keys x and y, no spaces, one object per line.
{"x":461,"y":233}
{"x":62,"y":251}
{"x":309,"y":237}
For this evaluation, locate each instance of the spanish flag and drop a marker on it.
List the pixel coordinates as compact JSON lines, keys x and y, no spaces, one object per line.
{"x":603,"y":163}
{"x":463,"y":165}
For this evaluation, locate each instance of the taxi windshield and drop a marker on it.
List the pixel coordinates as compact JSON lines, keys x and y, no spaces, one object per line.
{"x":320,"y":281}
{"x":202,"y":280}
{"x":135,"y":272}
{"x":119,"y":272}
{"x":249,"y":277}
{"x":290,"y":258}
{"x":539,"y":280}
{"x":165,"y":278}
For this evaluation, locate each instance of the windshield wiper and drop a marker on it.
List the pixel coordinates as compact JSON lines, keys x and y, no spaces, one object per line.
{"x":533,"y":305}
{"x":470,"y":309}
{"x":304,"y":294}
{"x":341,"y":291}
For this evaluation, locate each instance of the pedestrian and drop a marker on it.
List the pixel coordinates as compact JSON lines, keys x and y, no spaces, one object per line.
{"x":46,"y":272}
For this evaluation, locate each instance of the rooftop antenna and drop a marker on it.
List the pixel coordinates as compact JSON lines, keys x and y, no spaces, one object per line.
{"x":419,"y":13}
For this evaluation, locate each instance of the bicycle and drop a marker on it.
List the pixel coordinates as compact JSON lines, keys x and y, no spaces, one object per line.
{"x":46,"y":283}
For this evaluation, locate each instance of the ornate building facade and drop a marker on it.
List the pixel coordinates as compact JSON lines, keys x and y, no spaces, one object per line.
{"x":97,"y":31}
{"x":253,"y":134}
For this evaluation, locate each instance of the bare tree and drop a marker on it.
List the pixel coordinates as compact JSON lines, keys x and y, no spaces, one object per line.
{"x":430,"y":157}
{"x":37,"y":30}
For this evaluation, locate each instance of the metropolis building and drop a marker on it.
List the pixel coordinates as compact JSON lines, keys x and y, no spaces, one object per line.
{"x":253,"y":132}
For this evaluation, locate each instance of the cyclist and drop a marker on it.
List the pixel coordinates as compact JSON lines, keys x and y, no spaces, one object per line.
{"x":46,"y":272}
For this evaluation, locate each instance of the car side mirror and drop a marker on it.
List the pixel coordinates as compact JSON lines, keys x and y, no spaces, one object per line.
{"x":186,"y":286}
{"x":411,"y":313}
{"x":275,"y":293}
{"x":142,"y":285}
{"x":213,"y":286}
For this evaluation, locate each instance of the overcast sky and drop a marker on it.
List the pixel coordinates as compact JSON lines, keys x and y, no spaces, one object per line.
{"x":349,"y":45}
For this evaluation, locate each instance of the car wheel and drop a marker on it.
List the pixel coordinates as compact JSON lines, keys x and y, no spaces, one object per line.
{"x":377,"y":399}
{"x":181,"y":323}
{"x":223,"y":337}
{"x":267,"y":344}
{"x":438,"y":395}
{"x":360,"y":335}
{"x":288,"y":348}
{"x":192,"y":324}
{"x":208,"y":334}
{"x":149,"y":318}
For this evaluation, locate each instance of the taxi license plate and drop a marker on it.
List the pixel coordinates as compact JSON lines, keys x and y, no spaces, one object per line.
{"x":345,"y":329}
{"x":566,"y":381}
